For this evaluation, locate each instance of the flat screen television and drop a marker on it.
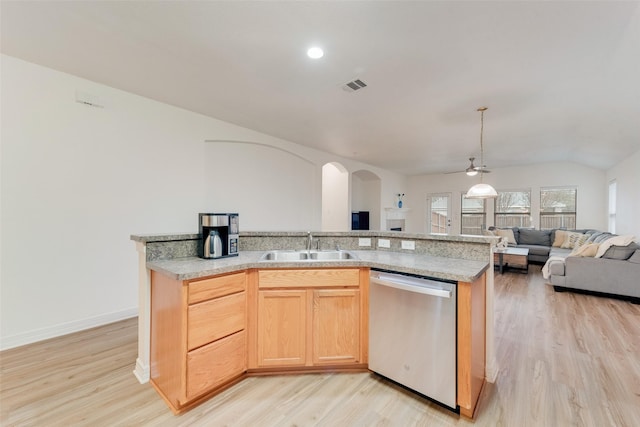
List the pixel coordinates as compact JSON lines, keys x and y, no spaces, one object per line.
{"x":360,"y":220}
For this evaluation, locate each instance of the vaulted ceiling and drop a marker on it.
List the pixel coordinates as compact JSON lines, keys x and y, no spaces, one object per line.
{"x":560,"y":78}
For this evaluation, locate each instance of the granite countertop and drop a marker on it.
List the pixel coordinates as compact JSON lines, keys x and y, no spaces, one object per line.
{"x":165,"y":237}
{"x":425,"y":265}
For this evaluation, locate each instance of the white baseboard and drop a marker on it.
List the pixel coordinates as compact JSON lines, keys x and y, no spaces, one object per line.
{"x":65,"y":328}
{"x":141,"y":371}
{"x":491,"y":371}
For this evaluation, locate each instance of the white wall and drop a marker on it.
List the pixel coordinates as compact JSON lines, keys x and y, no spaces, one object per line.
{"x":591,"y":184}
{"x":335,"y":198}
{"x":627,"y":176}
{"x":263,"y":184}
{"x":77,"y":181}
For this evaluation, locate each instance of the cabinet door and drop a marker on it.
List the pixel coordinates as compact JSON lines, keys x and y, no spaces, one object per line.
{"x":281,"y":327}
{"x":336,"y":326}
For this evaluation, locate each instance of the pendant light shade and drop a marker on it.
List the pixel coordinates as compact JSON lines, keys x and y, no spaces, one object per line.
{"x":481,"y":191}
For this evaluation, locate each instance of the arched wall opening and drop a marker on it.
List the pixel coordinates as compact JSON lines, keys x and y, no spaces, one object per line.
{"x":365,"y":195}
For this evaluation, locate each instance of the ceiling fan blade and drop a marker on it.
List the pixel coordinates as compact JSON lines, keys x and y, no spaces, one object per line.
{"x":471,"y":168}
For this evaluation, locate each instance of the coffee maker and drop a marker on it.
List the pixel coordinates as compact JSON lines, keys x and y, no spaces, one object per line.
{"x":218,"y":235}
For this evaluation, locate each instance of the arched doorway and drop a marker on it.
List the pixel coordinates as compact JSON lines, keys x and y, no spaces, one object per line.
{"x":365,"y":195}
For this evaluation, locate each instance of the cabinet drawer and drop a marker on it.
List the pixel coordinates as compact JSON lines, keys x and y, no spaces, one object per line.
{"x":213,"y":319}
{"x":214,"y":364}
{"x":308,"y":278}
{"x":202,"y":290}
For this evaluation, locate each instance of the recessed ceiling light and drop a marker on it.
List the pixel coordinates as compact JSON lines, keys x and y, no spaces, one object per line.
{"x":315,"y":53}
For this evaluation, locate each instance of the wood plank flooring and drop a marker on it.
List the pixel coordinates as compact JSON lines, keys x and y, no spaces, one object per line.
{"x":565,"y":359}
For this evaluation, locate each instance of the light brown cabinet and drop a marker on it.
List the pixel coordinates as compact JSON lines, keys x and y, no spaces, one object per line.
{"x":206,"y":334}
{"x":336,"y":326}
{"x":282,"y":317}
{"x":198,"y":336}
{"x":310,"y":317}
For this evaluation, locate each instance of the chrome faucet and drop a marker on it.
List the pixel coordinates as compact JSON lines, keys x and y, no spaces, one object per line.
{"x":309,"y":241}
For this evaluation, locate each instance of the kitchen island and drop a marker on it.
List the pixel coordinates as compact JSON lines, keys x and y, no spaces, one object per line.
{"x":170,"y":260}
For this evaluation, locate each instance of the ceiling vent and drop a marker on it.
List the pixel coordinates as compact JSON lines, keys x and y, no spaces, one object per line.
{"x":354,"y":85}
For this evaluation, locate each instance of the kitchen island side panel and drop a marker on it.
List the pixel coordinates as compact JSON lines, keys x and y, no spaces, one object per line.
{"x":168,"y":331}
{"x":471,"y":343}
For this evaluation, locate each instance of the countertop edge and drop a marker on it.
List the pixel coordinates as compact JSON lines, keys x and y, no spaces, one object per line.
{"x":168,"y":268}
{"x":147,"y":238}
{"x":166,"y":237}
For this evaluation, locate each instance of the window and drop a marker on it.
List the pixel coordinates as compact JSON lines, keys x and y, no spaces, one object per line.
{"x":558,"y":208}
{"x":513,"y":209}
{"x":438,"y":206}
{"x":474,"y":215}
{"x":613,"y":189}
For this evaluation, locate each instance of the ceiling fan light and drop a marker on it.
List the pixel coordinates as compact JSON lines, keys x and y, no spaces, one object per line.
{"x":315,"y":52}
{"x":472,"y":172}
{"x":481,"y":191}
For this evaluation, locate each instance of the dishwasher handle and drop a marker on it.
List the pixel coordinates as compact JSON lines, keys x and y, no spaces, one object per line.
{"x":398,"y":284}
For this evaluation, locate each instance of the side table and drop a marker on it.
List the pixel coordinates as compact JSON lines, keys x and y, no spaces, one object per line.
{"x":515,"y":258}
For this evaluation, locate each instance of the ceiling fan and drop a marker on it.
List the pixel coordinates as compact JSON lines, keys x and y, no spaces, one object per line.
{"x":473,"y":170}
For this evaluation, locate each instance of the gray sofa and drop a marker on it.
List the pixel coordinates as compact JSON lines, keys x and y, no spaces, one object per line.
{"x":602,"y":275}
{"x":616,"y":273}
{"x":539,"y":243}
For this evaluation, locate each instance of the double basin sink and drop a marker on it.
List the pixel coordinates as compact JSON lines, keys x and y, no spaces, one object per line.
{"x":288,"y":256}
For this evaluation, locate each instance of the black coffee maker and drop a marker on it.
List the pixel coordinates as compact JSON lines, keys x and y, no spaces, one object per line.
{"x":218,"y":235}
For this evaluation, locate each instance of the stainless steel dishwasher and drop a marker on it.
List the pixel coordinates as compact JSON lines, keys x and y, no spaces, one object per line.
{"x":412,"y":333}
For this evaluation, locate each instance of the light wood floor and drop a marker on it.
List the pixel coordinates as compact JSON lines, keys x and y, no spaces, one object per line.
{"x":565,"y":359}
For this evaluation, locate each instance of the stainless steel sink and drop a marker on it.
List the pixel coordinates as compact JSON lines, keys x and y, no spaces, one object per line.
{"x":288,"y":256}
{"x":331,"y":255}
{"x":284,"y":256}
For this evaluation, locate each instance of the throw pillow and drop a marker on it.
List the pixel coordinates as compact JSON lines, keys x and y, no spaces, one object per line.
{"x":579,"y":240}
{"x":635,"y":258}
{"x":559,"y":238}
{"x":586,"y":250}
{"x":602,"y":237}
{"x":593,"y":236}
{"x":573,"y":239}
{"x":614,"y":241}
{"x":621,"y":252}
{"x":535,"y":237}
{"x":506,"y":233}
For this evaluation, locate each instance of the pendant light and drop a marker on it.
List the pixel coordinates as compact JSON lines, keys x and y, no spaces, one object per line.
{"x":481,"y":191}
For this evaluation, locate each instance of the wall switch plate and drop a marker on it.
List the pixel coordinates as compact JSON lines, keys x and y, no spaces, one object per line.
{"x":409,"y":244}
{"x":384,"y":243}
{"x":364,"y":242}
